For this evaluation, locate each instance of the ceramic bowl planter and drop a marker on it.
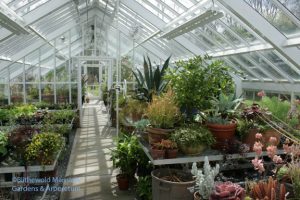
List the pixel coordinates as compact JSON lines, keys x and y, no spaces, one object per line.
{"x":193,"y":150}
{"x":157,"y":134}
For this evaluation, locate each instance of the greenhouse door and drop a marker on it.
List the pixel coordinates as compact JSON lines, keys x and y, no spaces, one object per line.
{"x":93,"y":73}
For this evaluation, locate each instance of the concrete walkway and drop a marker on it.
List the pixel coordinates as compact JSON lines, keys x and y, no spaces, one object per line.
{"x":90,"y":159}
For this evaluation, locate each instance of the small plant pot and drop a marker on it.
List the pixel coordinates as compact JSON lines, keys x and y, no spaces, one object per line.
{"x":197,"y":196}
{"x":123,"y":182}
{"x":157,"y":153}
{"x":192,"y":150}
{"x":171,"y":153}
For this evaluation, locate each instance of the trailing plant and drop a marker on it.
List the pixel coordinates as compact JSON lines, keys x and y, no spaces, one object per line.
{"x":227,"y":190}
{"x":144,"y":188}
{"x":193,"y":135}
{"x":44,"y":148}
{"x":124,"y":156}
{"x":162,"y":112}
{"x":151,"y":82}
{"x":205,"y":179}
{"x":195,"y":81}
{"x":3,"y":144}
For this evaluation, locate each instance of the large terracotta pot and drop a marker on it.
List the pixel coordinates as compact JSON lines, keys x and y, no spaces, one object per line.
{"x":171,"y":153}
{"x":157,"y":134}
{"x":123,"y":182}
{"x":250,"y":137}
{"x":223,"y":133}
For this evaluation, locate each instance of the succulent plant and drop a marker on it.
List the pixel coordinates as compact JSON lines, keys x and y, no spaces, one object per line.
{"x":268,"y":190}
{"x":227,"y":190}
{"x":205,"y":180}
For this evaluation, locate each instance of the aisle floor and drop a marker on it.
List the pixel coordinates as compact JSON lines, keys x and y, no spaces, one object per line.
{"x":90,"y":159}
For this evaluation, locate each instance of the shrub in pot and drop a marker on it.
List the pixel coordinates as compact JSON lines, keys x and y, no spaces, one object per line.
{"x":192,"y":139}
{"x":157,"y":151}
{"x":124,"y":157}
{"x":196,"y":80}
{"x":162,"y":113}
{"x":220,"y":121}
{"x":170,"y":147}
{"x":44,"y":148}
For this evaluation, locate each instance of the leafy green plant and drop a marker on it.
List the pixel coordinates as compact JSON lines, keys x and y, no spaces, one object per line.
{"x":124,"y":156}
{"x":193,"y":135}
{"x":162,"y":112}
{"x":151,"y":82}
{"x":195,"y":81}
{"x":144,"y":188}
{"x":3,"y":143}
{"x":60,"y":117}
{"x":44,"y":148}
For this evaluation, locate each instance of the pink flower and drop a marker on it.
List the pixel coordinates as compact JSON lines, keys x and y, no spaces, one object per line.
{"x":258,"y":136}
{"x":261,"y":93}
{"x":258,"y":165}
{"x":271,"y":151}
{"x":277,"y":159}
{"x":257,"y":147}
{"x":273,"y":140}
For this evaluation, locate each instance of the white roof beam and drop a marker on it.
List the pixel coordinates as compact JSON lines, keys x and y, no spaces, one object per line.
{"x":262,"y":27}
{"x":160,"y":24}
{"x":269,"y":86}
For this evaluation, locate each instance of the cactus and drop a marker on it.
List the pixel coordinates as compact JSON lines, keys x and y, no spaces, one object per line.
{"x":205,"y":181}
{"x":267,"y":190}
{"x":228,"y":190}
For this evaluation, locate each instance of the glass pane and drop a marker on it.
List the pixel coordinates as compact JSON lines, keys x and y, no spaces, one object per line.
{"x":62,"y":93}
{"x":293,"y":6}
{"x":275,"y":16}
{"x":74,"y":92}
{"x":17,"y":93}
{"x":31,"y":73}
{"x":32,"y":93}
{"x":62,"y":72}
{"x":3,"y":91}
{"x":47,"y":93}
{"x":47,"y":72}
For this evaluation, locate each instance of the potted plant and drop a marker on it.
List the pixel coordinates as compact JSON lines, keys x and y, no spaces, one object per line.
{"x":220,"y":122}
{"x":162,"y":113}
{"x":205,"y":179}
{"x":157,"y":151}
{"x":152,"y":82}
{"x":124,"y":157}
{"x":144,"y":188}
{"x":3,"y":145}
{"x":170,"y":147}
{"x":195,"y":81}
{"x":44,"y":148}
{"x":193,"y":139}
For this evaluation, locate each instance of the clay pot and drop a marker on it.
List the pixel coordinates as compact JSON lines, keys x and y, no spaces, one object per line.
{"x":158,"y":153}
{"x":123,"y":182}
{"x":250,"y":138}
{"x":157,"y":134}
{"x":171,"y":153}
{"x":192,"y":150}
{"x":223,"y":133}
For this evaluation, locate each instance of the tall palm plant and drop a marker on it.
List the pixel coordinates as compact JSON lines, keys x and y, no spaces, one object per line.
{"x":151,"y":81}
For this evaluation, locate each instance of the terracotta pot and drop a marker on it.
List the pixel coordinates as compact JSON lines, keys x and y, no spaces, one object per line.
{"x":157,"y":134}
{"x":192,"y":150}
{"x":171,"y":153}
{"x":250,"y":138}
{"x":157,"y":153}
{"x":197,"y":196}
{"x":123,"y":182}
{"x":223,"y":133}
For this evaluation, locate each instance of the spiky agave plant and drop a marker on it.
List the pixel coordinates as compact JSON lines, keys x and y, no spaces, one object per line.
{"x":151,"y":81}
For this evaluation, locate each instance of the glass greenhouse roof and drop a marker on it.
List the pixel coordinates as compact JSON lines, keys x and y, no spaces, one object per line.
{"x":261,"y":38}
